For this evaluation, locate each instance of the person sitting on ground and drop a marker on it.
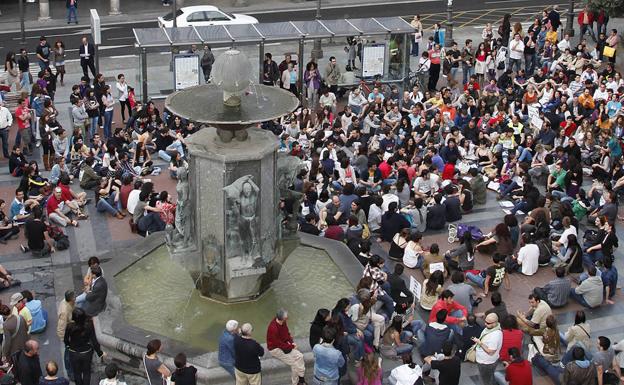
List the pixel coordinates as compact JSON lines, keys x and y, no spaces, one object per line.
{"x":535,"y":317}
{"x":517,"y":370}
{"x":457,"y":313}
{"x":407,"y":374}
{"x":465,"y":294}
{"x":110,"y":371}
{"x":609,"y":276}
{"x":39,"y":242}
{"x":8,"y":230}
{"x":433,"y":261}
{"x":580,"y":370}
{"x":413,"y":253}
{"x":399,"y":291}
{"x":436,"y":214}
{"x":431,"y":289}
{"x":527,"y":260}
{"x":392,"y":222}
{"x":310,"y":226}
{"x":448,"y":366}
{"x":557,"y":291}
{"x":499,"y":242}
{"x":21,"y":208}
{"x":462,"y":258}
{"x":590,"y":292}
{"x":498,"y":307}
{"x":433,"y":335}
{"x":396,"y":341}
{"x":38,"y":313}
{"x":59,"y":209}
{"x":547,"y":339}
{"x":492,"y":277}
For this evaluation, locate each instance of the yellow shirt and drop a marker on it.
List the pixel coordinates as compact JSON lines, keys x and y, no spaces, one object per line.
{"x":25,"y":313}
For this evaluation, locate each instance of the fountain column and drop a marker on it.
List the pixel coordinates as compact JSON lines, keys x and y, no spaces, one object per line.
{"x":233,"y":186}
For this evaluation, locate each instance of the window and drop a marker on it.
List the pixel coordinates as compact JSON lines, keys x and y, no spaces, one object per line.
{"x":197,"y":16}
{"x":216,"y":16}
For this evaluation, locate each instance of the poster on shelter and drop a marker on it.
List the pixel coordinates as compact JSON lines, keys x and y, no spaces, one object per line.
{"x":185,"y":71}
{"x":373,"y":60}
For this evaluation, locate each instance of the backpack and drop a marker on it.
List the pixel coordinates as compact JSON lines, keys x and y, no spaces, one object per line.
{"x":474,"y":231}
{"x":61,"y":241}
{"x":545,"y":251}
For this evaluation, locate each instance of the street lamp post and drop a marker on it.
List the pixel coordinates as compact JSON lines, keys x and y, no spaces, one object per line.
{"x":570,"y":22}
{"x":22,"y":27}
{"x":174,"y":9}
{"x":114,"y":8}
{"x":317,"y":50}
{"x":449,"y":24}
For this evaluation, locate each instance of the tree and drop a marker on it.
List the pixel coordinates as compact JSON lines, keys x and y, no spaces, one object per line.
{"x":613,"y":8}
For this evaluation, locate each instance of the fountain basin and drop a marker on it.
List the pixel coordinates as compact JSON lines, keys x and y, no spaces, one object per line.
{"x":123,"y":329}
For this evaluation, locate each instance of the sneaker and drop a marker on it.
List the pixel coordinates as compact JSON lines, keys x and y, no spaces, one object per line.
{"x":24,"y":248}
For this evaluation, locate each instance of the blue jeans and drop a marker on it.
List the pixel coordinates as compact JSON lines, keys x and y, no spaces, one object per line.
{"x":418,"y":328}
{"x":93,"y":127}
{"x":356,"y":345}
{"x":151,"y":222}
{"x":522,"y":206}
{"x":109,"y":205}
{"x":43,"y":65}
{"x":388,"y":305}
{"x":553,"y":371}
{"x":455,"y":327}
{"x":592,"y":257}
{"x":578,"y":298}
{"x":4,"y":135}
{"x":525,"y":155}
{"x":468,"y":72}
{"x":175,"y":146}
{"x":25,"y":82}
{"x":530,"y":63}
{"x":506,"y":189}
{"x":477,"y":279}
{"x":72,"y":11}
{"x":108,"y":121}
{"x":67,"y":363}
{"x":414,"y":48}
{"x":405,"y":339}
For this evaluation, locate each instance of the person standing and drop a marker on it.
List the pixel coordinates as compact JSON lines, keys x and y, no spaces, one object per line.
{"x":290,"y":79}
{"x":87,"y":57}
{"x":23,"y":64}
{"x":15,"y":332}
{"x":417,"y":25}
{"x":226,"y":346}
{"x":59,"y":59}
{"x":156,"y":371}
{"x":23,"y":114}
{"x":488,"y":347}
{"x":28,"y":368}
{"x":95,"y":299}
{"x":327,"y":359}
{"x":108,"y":101}
{"x":81,"y":341}
{"x":64,"y":312}
{"x":312,"y":78}
{"x":586,"y":23}
{"x":270,"y":71}
{"x":122,"y":96}
{"x":332,"y":75}
{"x":281,"y":346}
{"x":207,"y":61}
{"x":434,"y":68}
{"x":43,"y":53}
{"x":6,"y":121}
{"x":52,"y":377}
{"x":72,"y":10}
{"x":247,"y":353}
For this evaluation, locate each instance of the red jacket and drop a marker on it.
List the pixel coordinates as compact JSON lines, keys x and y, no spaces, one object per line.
{"x":441,"y":304}
{"x":590,"y":17}
{"x":278,"y":336}
{"x":519,"y":373}
{"x":511,"y":339}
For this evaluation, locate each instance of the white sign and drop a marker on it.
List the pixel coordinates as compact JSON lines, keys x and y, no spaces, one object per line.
{"x":95,"y":27}
{"x":533,"y":111}
{"x":438,"y":266}
{"x":415,"y":288}
{"x":537,"y":122}
{"x":373,"y":60}
{"x":185,"y":71}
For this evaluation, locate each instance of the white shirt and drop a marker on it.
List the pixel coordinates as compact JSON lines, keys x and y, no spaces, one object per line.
{"x":601,"y":95}
{"x":122,"y":91}
{"x":563,"y":45}
{"x":493,"y":341}
{"x":564,"y":236}
{"x":528,"y":258}
{"x":404,"y":375}
{"x":374,"y":217}
{"x":516,"y":49}
{"x":356,"y":100}
{"x":6,"y":119}
{"x":387,"y":199}
{"x":410,"y":257}
{"x":133,"y":199}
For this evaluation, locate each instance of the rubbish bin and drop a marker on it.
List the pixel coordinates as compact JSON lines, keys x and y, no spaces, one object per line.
{"x":442,"y":35}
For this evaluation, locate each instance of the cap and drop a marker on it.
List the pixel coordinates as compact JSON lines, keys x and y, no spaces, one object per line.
{"x":15,"y":298}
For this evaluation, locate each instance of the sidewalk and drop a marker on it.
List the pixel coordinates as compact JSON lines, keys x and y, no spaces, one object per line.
{"x":149,"y":10}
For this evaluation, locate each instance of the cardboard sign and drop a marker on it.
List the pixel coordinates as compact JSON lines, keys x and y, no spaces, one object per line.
{"x":415,"y":288}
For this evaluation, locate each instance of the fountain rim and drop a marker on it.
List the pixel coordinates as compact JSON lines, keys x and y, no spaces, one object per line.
{"x":290,"y":105}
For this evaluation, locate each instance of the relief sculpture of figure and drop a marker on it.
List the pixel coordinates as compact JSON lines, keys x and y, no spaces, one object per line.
{"x":288,"y":167}
{"x":242,"y":200}
{"x":183,"y":210}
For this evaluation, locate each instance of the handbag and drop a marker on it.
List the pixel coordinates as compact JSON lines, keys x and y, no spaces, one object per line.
{"x":608,"y":51}
{"x":471,"y":354}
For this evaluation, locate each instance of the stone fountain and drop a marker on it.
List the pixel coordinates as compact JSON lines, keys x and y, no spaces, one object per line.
{"x":230,"y":210}
{"x":223,"y":258}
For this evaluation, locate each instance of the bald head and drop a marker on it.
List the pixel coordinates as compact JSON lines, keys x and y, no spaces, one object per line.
{"x":31,"y":348}
{"x":491,"y":320}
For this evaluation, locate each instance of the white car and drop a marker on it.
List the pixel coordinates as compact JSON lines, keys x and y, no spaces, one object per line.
{"x":201,"y":15}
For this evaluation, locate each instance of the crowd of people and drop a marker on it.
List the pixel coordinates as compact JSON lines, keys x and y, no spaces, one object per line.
{"x":532,"y":116}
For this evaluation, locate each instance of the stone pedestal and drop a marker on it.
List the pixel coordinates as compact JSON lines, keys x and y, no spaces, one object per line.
{"x":44,"y":10}
{"x":234,"y":214}
{"x":114,"y":8}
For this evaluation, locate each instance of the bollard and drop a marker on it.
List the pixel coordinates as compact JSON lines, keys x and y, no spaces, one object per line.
{"x":114,"y":8}
{"x":44,"y":10}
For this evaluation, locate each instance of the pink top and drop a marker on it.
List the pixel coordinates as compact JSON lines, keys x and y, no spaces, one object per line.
{"x":364,"y":381}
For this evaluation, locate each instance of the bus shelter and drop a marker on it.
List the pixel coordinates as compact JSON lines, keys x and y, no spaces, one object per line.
{"x":396,"y":32}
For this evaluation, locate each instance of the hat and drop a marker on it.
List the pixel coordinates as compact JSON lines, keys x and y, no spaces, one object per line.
{"x":15,"y":298}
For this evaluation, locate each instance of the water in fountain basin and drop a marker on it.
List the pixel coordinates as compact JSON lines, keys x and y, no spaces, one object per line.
{"x":155,"y":294}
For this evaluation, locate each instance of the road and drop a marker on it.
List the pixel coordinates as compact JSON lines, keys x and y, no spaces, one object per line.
{"x":118,"y":39}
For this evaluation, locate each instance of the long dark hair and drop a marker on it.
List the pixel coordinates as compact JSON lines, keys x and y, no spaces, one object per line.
{"x":467,"y":240}
{"x":321,"y":314}
{"x":436,"y":279}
